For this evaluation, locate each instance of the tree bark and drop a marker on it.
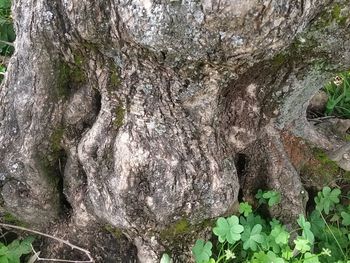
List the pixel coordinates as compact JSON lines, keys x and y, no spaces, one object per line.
{"x":148,"y":117}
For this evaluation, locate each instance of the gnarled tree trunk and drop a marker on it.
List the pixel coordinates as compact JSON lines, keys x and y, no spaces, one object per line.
{"x":147,"y":117}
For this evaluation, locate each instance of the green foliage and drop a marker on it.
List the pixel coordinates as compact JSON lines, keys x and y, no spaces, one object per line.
{"x":252,"y":237}
{"x":12,"y":253}
{"x":326,"y":199}
{"x":228,"y":229}
{"x":338,"y":92}
{"x":321,"y":237}
{"x":270,"y":197}
{"x":119,"y":116}
{"x":7,"y":34}
{"x":346,"y":218}
{"x":202,"y":251}
{"x":279,"y":235}
{"x":165,"y":259}
{"x":306,"y":227}
{"x":302,"y":244}
{"x":245,"y":208}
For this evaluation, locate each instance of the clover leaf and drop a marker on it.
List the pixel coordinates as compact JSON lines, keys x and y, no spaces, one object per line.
{"x":273,"y":197}
{"x":287,"y":253}
{"x":306,"y":227}
{"x":346,"y":218}
{"x":261,"y":257}
{"x":228,"y":229}
{"x":252,"y":220}
{"x":251,"y":237}
{"x":165,"y":259}
{"x":310,"y":258}
{"x":302,"y":244}
{"x":280,"y":235}
{"x":317,"y":223}
{"x":245,"y":208}
{"x":259,"y":196}
{"x":326,"y":199}
{"x":202,"y":251}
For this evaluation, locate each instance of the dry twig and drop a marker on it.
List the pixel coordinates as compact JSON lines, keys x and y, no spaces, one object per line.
{"x":66,"y":242}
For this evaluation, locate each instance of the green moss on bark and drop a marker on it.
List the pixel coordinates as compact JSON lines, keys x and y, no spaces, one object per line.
{"x":12,"y":219}
{"x":69,"y":75}
{"x":322,"y":170}
{"x":119,"y":116}
{"x":116,"y":232}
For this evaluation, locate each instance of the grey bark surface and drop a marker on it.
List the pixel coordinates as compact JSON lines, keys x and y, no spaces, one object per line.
{"x":130,"y":115}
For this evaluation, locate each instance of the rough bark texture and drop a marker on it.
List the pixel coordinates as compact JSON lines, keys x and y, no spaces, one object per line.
{"x":130,"y":115}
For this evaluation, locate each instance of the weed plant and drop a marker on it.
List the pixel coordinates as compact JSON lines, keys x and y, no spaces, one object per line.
{"x":321,"y":237}
{"x":338,"y":92}
{"x":7,"y":35}
{"x":13,"y":252}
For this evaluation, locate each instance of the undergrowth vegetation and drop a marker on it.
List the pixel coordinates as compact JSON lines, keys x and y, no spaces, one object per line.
{"x":13,"y":252}
{"x":338,"y":92}
{"x":7,"y":35}
{"x":322,"y":236}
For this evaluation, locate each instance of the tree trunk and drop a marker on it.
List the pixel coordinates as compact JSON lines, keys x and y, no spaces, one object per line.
{"x":147,"y":117}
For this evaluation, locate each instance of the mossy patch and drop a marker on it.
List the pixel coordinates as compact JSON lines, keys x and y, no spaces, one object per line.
{"x":115,"y":80}
{"x":116,"y":232}
{"x":337,"y":14}
{"x":279,"y":59}
{"x":321,"y":170}
{"x":114,"y":77}
{"x":180,"y":227}
{"x":347,"y":137}
{"x":68,"y":76}
{"x":62,"y":87}
{"x":119,"y":116}
{"x":181,"y":234}
{"x":11,"y":219}
{"x":56,"y":138}
{"x":327,"y":164}
{"x":308,"y":45}
{"x":77,"y":74}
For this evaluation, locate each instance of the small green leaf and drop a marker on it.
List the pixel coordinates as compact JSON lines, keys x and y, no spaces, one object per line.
{"x":287,"y":253}
{"x":165,"y":259}
{"x":310,"y":258}
{"x":273,"y":197}
{"x":270,"y":257}
{"x":259,"y":196}
{"x":252,"y":220}
{"x":306,"y":227}
{"x":5,"y":4}
{"x":302,"y":244}
{"x":202,"y":251}
{"x":280,"y":235}
{"x":346,"y":218}
{"x":326,"y":199}
{"x":228,"y":229}
{"x":245,"y":208}
{"x":3,"y":251}
{"x":252,"y":237}
{"x":4,"y":259}
{"x":317,"y":224}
